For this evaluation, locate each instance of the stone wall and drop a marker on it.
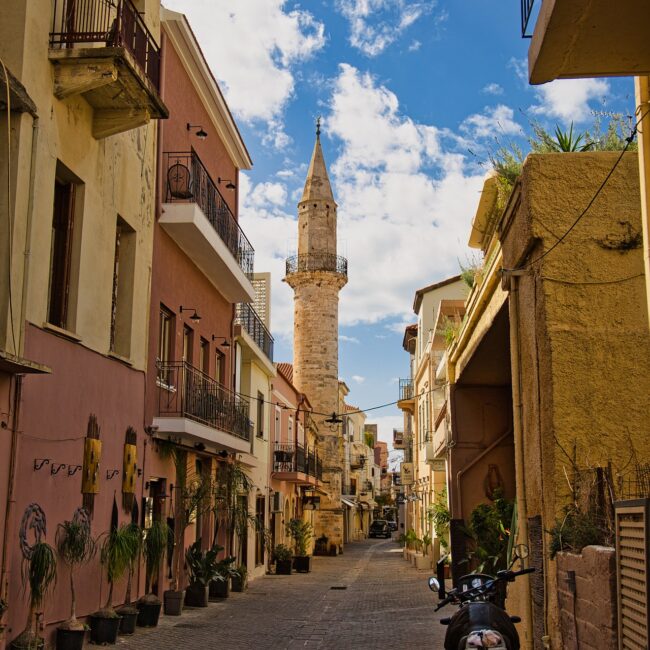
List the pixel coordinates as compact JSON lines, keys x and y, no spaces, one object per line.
{"x":587,"y":599}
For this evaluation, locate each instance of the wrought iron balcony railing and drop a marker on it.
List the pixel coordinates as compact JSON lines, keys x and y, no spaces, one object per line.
{"x":247,"y":317}
{"x":112,"y":24}
{"x":188,"y":181}
{"x":317,"y":262}
{"x":289,"y":457}
{"x":185,"y":391}
{"x":357,"y":461}
{"x":526,"y":11}
{"x":405,"y":389}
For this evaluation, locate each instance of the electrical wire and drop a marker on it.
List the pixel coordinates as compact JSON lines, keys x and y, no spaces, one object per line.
{"x":628,"y":142}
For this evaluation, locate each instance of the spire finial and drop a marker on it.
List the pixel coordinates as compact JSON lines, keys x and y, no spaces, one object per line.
{"x":318,"y":127}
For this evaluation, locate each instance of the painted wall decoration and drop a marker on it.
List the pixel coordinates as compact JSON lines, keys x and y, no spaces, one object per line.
{"x":92,"y":457}
{"x":129,"y":469}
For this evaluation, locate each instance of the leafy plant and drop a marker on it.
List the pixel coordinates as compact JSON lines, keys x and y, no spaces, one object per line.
{"x":426,"y":543}
{"x":115,"y":556}
{"x":282,"y":553}
{"x":202,"y":566}
{"x":154,"y":547}
{"x":226,"y":569}
{"x":39,"y":572}
{"x":410,"y":538}
{"x":449,"y":329}
{"x":301,"y":533}
{"x":134,"y":534}
{"x":76,"y":547}
{"x":575,"y":531}
{"x":440,"y":516}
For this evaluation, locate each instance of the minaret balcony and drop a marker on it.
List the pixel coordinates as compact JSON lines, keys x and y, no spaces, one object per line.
{"x":105,"y":52}
{"x":310,"y":262}
{"x":198,"y":219}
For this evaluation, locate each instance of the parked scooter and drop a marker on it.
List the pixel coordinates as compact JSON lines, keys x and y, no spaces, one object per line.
{"x":481,"y":621}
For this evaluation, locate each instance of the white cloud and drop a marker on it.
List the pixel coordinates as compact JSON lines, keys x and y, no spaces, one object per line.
{"x":492,"y":89}
{"x":568,"y":99}
{"x":498,"y":120}
{"x":358,"y":379}
{"x":415,"y":46}
{"x":348,"y":339}
{"x":258,"y":49}
{"x":376,"y":24}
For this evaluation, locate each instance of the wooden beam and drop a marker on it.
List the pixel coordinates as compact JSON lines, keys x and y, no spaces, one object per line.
{"x":74,"y":76}
{"x":109,"y":121}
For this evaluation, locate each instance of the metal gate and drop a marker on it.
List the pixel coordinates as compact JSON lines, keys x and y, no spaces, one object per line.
{"x":632,"y":572}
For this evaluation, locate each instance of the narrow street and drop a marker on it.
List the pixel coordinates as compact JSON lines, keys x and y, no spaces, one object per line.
{"x":367,"y":598}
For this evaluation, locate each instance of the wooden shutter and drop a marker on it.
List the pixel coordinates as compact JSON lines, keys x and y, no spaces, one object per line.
{"x":632,"y":549}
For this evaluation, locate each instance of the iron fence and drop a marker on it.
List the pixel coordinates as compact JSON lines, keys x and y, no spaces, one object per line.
{"x":526,"y":11}
{"x":290,"y":457}
{"x":188,"y":181}
{"x":185,"y":391}
{"x":247,"y":317}
{"x":112,"y":23}
{"x":317,"y":262}
{"x":405,"y":389}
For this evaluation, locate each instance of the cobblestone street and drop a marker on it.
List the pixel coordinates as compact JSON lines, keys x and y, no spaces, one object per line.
{"x":367,"y":598}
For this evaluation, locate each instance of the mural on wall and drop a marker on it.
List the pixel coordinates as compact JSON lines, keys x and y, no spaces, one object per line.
{"x":129,"y":469}
{"x":92,"y":456}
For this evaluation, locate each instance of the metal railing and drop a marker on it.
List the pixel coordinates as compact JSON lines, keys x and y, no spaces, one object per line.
{"x":317,"y":262}
{"x":289,"y":457}
{"x":188,"y":181}
{"x":110,"y":23}
{"x":185,"y":391}
{"x":526,"y":11}
{"x":367,"y":486}
{"x":247,"y":317}
{"x":405,"y":389}
{"x":357,"y":460}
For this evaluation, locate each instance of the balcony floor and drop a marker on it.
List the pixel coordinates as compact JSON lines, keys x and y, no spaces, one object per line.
{"x":192,"y":432}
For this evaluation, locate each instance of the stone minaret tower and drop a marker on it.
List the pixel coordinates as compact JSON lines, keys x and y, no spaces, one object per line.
{"x":316,"y":275}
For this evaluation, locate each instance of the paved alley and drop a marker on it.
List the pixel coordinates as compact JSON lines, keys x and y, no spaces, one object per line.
{"x":367,"y":598}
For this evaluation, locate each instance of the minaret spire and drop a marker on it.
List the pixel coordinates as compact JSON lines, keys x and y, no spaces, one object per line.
{"x":317,"y":185}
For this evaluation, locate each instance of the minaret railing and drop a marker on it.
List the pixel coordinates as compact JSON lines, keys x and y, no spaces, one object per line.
{"x":317,"y":262}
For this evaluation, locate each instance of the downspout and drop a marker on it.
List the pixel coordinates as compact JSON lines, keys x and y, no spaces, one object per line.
{"x":642,"y":113}
{"x":518,"y":431}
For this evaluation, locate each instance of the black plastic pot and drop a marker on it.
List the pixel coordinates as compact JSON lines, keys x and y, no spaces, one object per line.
{"x":148,"y":613}
{"x":103,"y":631}
{"x":219,"y":589}
{"x":174,"y":602}
{"x":283,"y":567}
{"x":238,"y":583}
{"x":37,"y":644}
{"x":70,"y":639}
{"x":302,"y":563}
{"x":129,"y":617}
{"x":196,"y":595}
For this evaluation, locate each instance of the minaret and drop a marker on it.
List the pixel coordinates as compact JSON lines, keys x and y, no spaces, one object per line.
{"x":316,"y":275}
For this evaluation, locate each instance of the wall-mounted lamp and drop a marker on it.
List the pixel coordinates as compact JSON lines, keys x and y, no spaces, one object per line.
{"x":225,"y":344}
{"x":195,"y":318}
{"x":223,"y":453}
{"x":229,"y":184}
{"x":200,"y":134}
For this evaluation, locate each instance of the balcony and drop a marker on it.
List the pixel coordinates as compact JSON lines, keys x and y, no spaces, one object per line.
{"x":198,"y":219}
{"x":357,"y":461}
{"x":327,"y":262}
{"x":398,"y":439}
{"x":247,"y":317}
{"x":406,"y":400}
{"x":192,"y":405}
{"x":295,"y":464}
{"x":582,"y":38}
{"x":105,"y":52}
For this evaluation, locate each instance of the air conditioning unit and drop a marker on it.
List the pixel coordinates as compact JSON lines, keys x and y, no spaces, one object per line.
{"x":276,"y":504}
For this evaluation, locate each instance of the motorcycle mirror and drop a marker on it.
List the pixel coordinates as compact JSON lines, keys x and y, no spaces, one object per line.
{"x":521,"y":551}
{"x":434,"y":585}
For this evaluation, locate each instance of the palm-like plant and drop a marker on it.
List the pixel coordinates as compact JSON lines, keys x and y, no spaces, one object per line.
{"x":568,"y":142}
{"x":76,"y":547}
{"x":154,"y":547}
{"x":134,"y":534}
{"x":39,"y":571}
{"x":115,"y":556}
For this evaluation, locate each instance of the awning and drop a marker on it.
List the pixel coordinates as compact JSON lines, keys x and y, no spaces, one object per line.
{"x":349,"y":504}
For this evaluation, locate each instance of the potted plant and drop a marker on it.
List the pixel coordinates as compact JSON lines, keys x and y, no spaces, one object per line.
{"x":202,"y":567}
{"x":239,"y":580}
{"x":301,"y":533}
{"x":127,"y":611}
{"x":115,"y":554}
{"x":154,"y":546}
{"x":320,"y":546}
{"x":39,"y":570}
{"x":76,"y":547}
{"x":283,"y":560}
{"x":220,"y":585}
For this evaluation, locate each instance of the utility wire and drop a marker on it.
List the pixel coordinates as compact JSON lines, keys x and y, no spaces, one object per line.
{"x":628,"y":142}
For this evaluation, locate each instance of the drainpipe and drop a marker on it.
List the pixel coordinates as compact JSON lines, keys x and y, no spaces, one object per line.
{"x":642,"y":87}
{"x":517,"y":424}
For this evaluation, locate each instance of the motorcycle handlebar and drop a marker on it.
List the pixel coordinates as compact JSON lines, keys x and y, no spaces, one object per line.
{"x":523,"y":571}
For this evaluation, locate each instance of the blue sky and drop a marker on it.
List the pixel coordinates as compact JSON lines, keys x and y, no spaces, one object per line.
{"x":414,"y":96}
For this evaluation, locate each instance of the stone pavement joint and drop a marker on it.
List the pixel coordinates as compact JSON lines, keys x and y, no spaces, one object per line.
{"x":387,"y":604}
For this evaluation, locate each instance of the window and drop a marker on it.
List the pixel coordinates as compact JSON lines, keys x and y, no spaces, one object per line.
{"x":204,"y":356}
{"x":219,"y":366}
{"x":260,"y":415}
{"x":61,"y":249}
{"x":165,"y":343}
{"x":122,"y":294}
{"x":188,"y":340}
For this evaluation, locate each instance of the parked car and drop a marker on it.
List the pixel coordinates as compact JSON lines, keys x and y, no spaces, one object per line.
{"x":379,"y":528}
{"x":393,"y":525}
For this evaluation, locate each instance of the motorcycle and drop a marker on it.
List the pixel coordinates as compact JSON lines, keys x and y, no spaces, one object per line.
{"x":481,"y":621}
